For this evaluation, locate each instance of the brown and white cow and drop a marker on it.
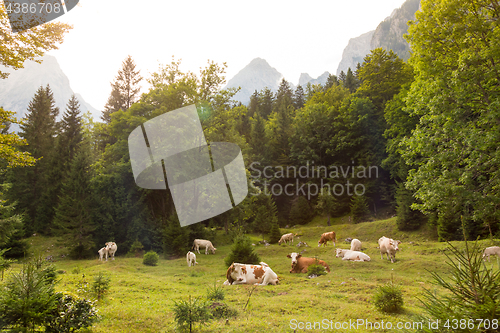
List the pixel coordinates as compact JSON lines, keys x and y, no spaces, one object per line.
{"x":388,"y":246}
{"x":352,"y":255}
{"x":492,"y":250}
{"x":111,"y":248}
{"x":300,"y":264}
{"x":355,"y":245}
{"x":251,"y":274}
{"x":286,"y":238}
{"x":103,"y":253}
{"x":191,"y":259}
{"x":327,"y":236}
{"x":203,"y":243}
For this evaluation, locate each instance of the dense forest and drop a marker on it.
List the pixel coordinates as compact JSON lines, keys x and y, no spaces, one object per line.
{"x":420,"y":138}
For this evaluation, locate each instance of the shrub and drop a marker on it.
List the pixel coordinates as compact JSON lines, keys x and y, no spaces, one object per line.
{"x":359,"y":208}
{"x":222,"y":310}
{"x":215,"y":293}
{"x":389,"y":298}
{"x":151,"y":258}
{"x":301,"y":211}
{"x":242,"y":251}
{"x":71,"y":314}
{"x":189,"y":312}
{"x":316,"y":269}
{"x":274,"y":234}
{"x":473,"y":291}
{"x":135,"y":249}
{"x":100,"y":286}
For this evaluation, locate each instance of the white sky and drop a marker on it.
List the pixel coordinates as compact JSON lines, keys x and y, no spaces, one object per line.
{"x":293,"y":36}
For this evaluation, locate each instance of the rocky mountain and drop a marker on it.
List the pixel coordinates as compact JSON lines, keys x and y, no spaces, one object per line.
{"x":388,"y":35}
{"x":257,"y":75}
{"x":19,"y":88}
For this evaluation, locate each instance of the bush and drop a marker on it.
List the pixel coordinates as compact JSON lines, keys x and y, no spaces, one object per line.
{"x":473,"y":292}
{"x":100,"y":286}
{"x":359,"y":208}
{"x":151,"y":258}
{"x":222,"y":310}
{"x":316,"y":269}
{"x":274,"y":234}
{"x":189,"y":312}
{"x":136,"y":249}
{"x":215,"y":293}
{"x":242,"y":251}
{"x":389,"y":298}
{"x":72,"y":313}
{"x":301,"y":211}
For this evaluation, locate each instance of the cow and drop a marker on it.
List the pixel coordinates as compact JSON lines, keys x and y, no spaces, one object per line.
{"x":492,"y":250}
{"x":111,"y":249}
{"x":300,"y":264}
{"x":203,"y":244}
{"x":352,"y":255}
{"x":327,"y":236}
{"x":389,"y":247}
{"x":348,"y":240}
{"x":191,"y":259}
{"x":251,"y":274}
{"x":103,"y":252}
{"x":355,"y":245}
{"x":286,"y":238}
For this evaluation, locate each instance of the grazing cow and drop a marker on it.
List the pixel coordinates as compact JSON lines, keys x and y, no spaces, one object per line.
{"x":111,"y":249}
{"x":203,"y":244}
{"x":492,"y":250}
{"x":352,"y":255}
{"x":251,"y":274}
{"x":355,"y":245}
{"x":191,"y":259}
{"x":389,"y":247}
{"x":327,"y":236}
{"x":286,"y":238}
{"x":103,"y":252}
{"x":300,"y":264}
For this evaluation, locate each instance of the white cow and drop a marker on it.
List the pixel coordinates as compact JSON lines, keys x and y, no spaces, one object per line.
{"x":388,"y":246}
{"x":355,"y":245}
{"x":203,"y":244}
{"x":103,"y":252}
{"x":191,"y":259}
{"x":286,"y":238}
{"x":352,"y":255}
{"x":111,"y":249}
{"x":492,"y":250}
{"x":251,"y":274}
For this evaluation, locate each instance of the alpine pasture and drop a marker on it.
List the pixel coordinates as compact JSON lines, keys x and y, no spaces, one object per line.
{"x":141,"y":297}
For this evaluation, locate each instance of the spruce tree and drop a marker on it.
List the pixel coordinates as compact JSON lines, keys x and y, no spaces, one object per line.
{"x":299,"y":97}
{"x":73,"y":217}
{"x":125,"y":89}
{"x":31,"y":183}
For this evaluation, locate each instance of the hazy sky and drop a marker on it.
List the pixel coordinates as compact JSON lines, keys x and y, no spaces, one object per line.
{"x":293,"y":36}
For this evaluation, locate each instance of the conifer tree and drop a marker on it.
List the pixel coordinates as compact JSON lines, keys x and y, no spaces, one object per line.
{"x":258,"y":136}
{"x":73,"y":219}
{"x":31,"y":183}
{"x":125,"y":89}
{"x":299,"y":97}
{"x":266,"y":103}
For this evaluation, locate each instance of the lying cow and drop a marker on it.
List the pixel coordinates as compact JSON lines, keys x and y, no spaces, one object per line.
{"x":300,"y":264}
{"x":203,"y":244}
{"x":111,"y":250}
{"x":389,"y":247}
{"x":250,"y":274}
{"x":191,"y":259}
{"x":492,"y":250}
{"x":355,"y":245}
{"x":352,"y":255}
{"x":286,"y":238}
{"x":103,"y":253}
{"x":327,"y":236}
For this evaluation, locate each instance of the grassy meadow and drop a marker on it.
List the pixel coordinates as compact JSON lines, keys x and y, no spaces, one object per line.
{"x":141,"y":297}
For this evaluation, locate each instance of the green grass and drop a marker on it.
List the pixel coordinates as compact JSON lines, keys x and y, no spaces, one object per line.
{"x":141,"y":297}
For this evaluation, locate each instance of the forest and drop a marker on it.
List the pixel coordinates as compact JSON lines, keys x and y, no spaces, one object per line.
{"x":418,"y":139}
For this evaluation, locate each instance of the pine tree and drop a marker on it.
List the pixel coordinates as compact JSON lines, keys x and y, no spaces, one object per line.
{"x":266,"y":101}
{"x":125,"y":89}
{"x":350,"y":82}
{"x":299,"y":97}
{"x":258,"y":137}
{"x":39,"y":130}
{"x":73,"y":220}
{"x":331,"y":81}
